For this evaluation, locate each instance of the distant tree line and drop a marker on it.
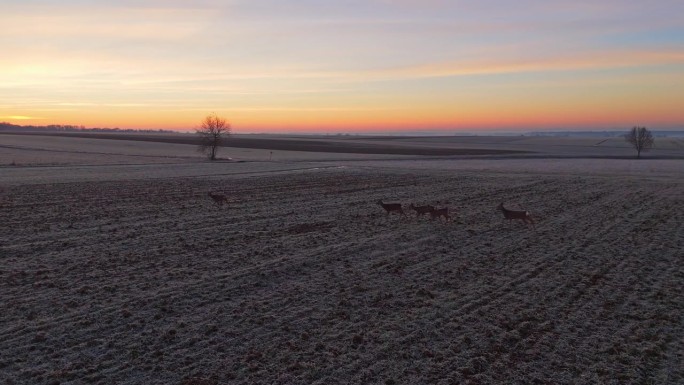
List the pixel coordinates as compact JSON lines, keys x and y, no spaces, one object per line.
{"x":602,"y":134}
{"x":5,"y":126}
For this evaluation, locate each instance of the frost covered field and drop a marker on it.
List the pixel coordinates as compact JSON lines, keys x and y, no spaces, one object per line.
{"x":125,"y":272}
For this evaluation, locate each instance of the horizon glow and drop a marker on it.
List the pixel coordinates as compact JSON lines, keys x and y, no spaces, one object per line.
{"x":344,"y":66}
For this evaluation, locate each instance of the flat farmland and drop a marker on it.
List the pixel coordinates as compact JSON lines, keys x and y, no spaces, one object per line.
{"x":302,"y":278}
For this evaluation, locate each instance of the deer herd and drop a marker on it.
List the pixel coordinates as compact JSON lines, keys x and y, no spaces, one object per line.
{"x":436,"y":213}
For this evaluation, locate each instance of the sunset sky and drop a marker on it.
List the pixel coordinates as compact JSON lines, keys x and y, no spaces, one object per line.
{"x":344,"y":65}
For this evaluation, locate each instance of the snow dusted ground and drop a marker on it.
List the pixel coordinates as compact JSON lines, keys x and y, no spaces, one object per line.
{"x":125,"y":273}
{"x":28,"y":159}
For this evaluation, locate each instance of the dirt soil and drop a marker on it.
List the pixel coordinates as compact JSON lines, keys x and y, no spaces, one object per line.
{"x":303,"y":279}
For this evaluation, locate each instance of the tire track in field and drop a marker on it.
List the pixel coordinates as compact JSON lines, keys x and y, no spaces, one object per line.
{"x":581,"y":300}
{"x":507,"y":288}
{"x":194,"y":227}
{"x":273,"y":284}
{"x":509,"y":244}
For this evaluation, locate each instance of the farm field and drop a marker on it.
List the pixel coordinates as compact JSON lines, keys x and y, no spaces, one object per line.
{"x":124,"y":272}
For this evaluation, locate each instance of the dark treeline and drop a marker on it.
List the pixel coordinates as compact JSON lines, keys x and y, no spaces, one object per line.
{"x":604,"y":134}
{"x":5,"y":126}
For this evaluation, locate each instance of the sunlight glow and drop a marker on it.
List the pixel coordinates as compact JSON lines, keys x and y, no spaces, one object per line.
{"x":354,"y":66}
{"x":19,"y":117}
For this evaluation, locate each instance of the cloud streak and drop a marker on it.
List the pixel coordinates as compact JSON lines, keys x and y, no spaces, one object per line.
{"x":328,"y":57}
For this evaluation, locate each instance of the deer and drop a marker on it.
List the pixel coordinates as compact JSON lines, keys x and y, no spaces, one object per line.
{"x":391,"y":207}
{"x":219,"y":199}
{"x":443,"y":212}
{"x":420,"y":210}
{"x":521,"y":215}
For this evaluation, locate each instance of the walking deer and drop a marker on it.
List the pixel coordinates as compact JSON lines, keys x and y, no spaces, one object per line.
{"x":443,"y":212}
{"x":521,"y":215}
{"x":219,"y":199}
{"x":420,"y":210}
{"x":391,"y":207}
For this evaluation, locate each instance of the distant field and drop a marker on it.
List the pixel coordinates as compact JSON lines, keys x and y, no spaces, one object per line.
{"x":430,"y":146}
{"x":296,"y":144}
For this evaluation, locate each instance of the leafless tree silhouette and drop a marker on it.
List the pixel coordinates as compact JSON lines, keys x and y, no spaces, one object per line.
{"x":211,"y":132}
{"x":640,"y":138}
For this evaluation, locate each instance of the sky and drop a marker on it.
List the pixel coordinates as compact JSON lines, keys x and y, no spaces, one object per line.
{"x":344,"y":65}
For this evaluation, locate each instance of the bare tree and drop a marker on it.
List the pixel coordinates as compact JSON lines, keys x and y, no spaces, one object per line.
{"x":211,"y":132}
{"x":640,"y":138}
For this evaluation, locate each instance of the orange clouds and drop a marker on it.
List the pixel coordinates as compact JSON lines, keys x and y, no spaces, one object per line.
{"x":386,"y":65}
